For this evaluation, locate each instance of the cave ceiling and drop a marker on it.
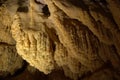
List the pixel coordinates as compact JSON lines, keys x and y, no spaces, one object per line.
{"x":79,"y":37}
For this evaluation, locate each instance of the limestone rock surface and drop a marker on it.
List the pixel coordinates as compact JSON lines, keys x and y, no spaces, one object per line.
{"x":80,"y":37}
{"x":10,"y":61}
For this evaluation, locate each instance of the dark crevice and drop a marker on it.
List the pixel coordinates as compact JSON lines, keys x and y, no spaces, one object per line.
{"x":53,"y":38}
{"x":55,"y":73}
{"x":78,"y":3}
{"x":53,"y":47}
{"x":52,"y":33}
{"x":6,"y":44}
{"x":104,"y":10}
{"x":23,"y":9}
{"x":106,"y":65}
{"x":46,"y":11}
{"x":38,"y":2}
{"x":3,"y":74}
{"x":2,"y":2}
{"x":19,"y":71}
{"x":104,"y":2}
{"x":115,"y":52}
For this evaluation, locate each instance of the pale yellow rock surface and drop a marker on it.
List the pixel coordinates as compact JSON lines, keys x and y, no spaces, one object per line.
{"x":5,"y":23}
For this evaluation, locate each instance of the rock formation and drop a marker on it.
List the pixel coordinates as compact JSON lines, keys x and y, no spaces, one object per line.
{"x":9,"y":59}
{"x":79,"y":37}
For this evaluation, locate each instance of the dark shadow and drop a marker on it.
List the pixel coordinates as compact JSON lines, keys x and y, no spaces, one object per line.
{"x":23,"y":9}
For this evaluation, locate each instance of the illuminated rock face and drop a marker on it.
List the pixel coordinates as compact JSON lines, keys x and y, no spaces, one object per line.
{"x":34,"y":46}
{"x":10,"y":61}
{"x":81,"y":37}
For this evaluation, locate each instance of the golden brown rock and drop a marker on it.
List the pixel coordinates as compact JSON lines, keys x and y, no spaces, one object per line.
{"x":10,"y":61}
{"x":81,"y":37}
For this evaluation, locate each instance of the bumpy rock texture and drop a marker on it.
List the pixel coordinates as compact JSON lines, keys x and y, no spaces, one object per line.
{"x":10,"y":62}
{"x":80,"y":37}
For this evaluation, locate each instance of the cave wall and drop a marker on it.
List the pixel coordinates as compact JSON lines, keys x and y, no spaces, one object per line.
{"x":79,"y":37}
